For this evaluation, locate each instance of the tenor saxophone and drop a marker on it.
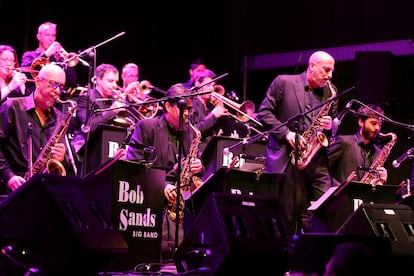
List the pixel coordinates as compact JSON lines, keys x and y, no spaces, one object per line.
{"x":45,"y":163}
{"x":185,"y":178}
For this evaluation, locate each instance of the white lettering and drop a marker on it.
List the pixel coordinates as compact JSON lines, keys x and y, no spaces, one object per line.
{"x":112,"y":149}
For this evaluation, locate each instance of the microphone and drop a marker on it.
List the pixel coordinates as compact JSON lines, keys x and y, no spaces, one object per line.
{"x":397,"y":162}
{"x":337,"y":121}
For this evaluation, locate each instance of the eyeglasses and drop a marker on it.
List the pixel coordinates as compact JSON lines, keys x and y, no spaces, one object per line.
{"x":53,"y":84}
{"x":4,"y":60}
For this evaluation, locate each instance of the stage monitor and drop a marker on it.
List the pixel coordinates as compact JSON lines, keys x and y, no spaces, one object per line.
{"x":37,"y":233}
{"x":236,"y":235}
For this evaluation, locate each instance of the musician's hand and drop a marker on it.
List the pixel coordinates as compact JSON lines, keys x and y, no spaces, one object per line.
{"x":170,"y":193}
{"x":58,"y":151}
{"x":219,"y":111}
{"x":119,"y":105}
{"x":17,"y":80}
{"x":290,"y":138}
{"x":383,"y":173}
{"x":53,"y":49}
{"x":326,"y":122}
{"x":196,"y":166}
{"x":15,"y":182}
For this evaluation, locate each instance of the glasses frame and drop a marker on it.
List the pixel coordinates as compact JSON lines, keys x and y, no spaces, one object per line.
{"x":52,"y":84}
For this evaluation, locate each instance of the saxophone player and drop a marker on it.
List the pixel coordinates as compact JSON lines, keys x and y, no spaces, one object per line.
{"x":350,"y":156}
{"x":289,"y":96}
{"x":34,"y":117}
{"x":162,"y":134}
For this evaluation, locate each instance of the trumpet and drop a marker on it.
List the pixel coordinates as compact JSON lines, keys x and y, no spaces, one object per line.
{"x":244,"y":110}
{"x":24,"y":70}
{"x":70,"y":59}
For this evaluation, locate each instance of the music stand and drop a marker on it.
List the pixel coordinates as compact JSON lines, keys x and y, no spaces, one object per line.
{"x":332,"y":209}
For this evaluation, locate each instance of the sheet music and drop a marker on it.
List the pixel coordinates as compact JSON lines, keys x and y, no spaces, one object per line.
{"x":315,"y":205}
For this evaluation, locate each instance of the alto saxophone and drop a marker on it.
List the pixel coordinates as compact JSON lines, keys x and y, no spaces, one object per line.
{"x":188,"y":181}
{"x":45,"y":163}
{"x":372,"y":177}
{"x":314,"y":136}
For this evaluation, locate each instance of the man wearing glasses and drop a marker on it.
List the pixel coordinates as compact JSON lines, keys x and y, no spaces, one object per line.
{"x":26,"y":126}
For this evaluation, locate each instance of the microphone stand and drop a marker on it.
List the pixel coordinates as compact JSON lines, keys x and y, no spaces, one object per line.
{"x":195,"y":88}
{"x":182,"y":105}
{"x":91,"y":73}
{"x":89,"y":107}
{"x":296,"y":117}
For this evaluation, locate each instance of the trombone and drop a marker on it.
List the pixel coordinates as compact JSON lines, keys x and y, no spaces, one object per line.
{"x":244,"y":110}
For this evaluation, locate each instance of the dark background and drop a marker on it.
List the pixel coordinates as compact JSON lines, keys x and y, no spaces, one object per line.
{"x":164,"y":37}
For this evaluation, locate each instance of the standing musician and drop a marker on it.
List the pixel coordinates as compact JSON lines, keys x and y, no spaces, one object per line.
{"x":12,"y":82}
{"x":87,"y":120}
{"x":162,"y":132}
{"x":287,"y":97}
{"x":49,"y":50}
{"x":37,"y":109}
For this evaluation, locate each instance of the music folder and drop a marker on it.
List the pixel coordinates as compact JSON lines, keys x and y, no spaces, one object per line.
{"x":214,"y":158}
{"x":332,"y":209}
{"x":233,"y":181}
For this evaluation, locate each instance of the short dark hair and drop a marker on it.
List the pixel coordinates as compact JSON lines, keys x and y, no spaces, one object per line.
{"x":175,"y":91}
{"x":196,"y":63}
{"x":365,"y":112}
{"x":201,"y":75}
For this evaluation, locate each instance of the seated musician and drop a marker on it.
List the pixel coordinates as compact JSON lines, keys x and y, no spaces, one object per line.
{"x":162,"y":133}
{"x":102,"y":107}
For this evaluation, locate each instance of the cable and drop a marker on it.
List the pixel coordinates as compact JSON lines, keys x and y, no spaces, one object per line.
{"x":29,"y":270}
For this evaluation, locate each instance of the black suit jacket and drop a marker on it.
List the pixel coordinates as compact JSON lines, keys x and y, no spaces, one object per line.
{"x":284,"y":101}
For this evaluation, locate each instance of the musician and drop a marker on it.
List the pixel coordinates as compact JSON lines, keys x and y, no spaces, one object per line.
{"x":51,"y":50}
{"x":287,"y":97}
{"x":102,"y":106}
{"x":206,"y":113}
{"x":37,"y":109}
{"x":196,"y":66}
{"x":162,"y":133}
{"x":130,"y":74}
{"x":12,"y":82}
{"x":350,"y":155}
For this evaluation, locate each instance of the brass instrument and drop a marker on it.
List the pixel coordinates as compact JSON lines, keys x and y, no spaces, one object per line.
{"x":37,"y":64}
{"x":122,"y":119}
{"x":24,"y":70}
{"x":45,"y":163}
{"x":314,"y":136}
{"x":145,"y":111}
{"x":185,"y":177}
{"x":70,"y":59}
{"x":372,"y":177}
{"x":244,"y":110}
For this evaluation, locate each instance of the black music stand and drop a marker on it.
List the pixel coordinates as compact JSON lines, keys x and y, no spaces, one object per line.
{"x":236,"y":182}
{"x":102,"y":146}
{"x":212,"y":155}
{"x":333,"y":208}
{"x":136,"y":196}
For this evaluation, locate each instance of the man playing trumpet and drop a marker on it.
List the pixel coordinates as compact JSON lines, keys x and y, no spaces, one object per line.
{"x":206,"y":113}
{"x":49,"y":50}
